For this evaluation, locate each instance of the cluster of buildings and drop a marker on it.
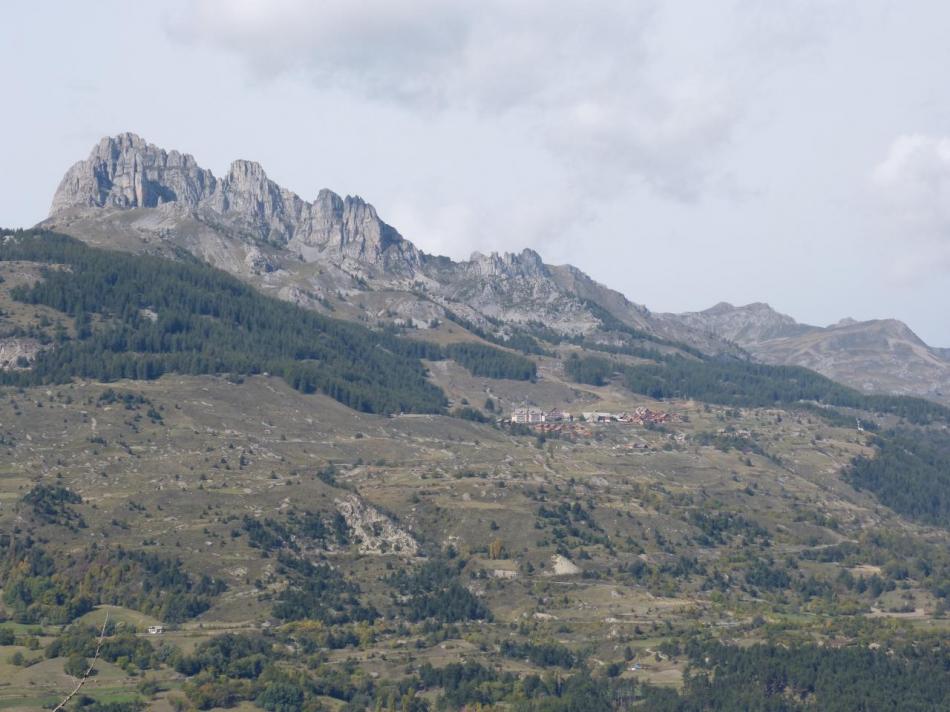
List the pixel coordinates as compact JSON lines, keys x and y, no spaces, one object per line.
{"x":531,"y":416}
{"x":639,"y":416}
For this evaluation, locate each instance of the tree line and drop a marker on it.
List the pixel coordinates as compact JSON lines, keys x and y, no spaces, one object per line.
{"x":737,"y":383}
{"x":910,"y":473}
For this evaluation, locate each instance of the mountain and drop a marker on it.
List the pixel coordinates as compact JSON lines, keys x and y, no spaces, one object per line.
{"x":214,"y":499}
{"x":877,"y":356}
{"x":125,"y":173}
{"x":129,"y":194}
{"x":750,"y":324}
{"x":286,"y":506}
{"x":335,"y":254}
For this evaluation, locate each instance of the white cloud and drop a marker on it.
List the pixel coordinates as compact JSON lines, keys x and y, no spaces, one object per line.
{"x":491,"y":56}
{"x":383,"y":48}
{"x":581,"y":78}
{"x":663,"y":139}
{"x":453,"y":226}
{"x":912,"y":184}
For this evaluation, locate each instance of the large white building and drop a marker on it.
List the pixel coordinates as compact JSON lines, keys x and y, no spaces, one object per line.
{"x":527,"y":415}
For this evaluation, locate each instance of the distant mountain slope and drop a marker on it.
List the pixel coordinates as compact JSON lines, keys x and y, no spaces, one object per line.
{"x":750,"y":324}
{"x":132,"y":195}
{"x":881,"y":355}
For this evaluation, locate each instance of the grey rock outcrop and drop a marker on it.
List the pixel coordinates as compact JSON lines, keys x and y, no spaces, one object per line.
{"x":18,"y":352}
{"x":376,"y":533}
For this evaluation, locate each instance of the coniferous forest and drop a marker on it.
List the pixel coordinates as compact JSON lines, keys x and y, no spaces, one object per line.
{"x":910,"y":473}
{"x":735,"y":382}
{"x":487,"y":361}
{"x":140,"y":317}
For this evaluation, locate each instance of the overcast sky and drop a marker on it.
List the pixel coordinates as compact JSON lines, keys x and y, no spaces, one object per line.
{"x":684,"y":153}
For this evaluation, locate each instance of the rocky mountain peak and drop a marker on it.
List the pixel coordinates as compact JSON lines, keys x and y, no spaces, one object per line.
{"x":251,"y":199}
{"x":759,"y":310}
{"x":365,"y":235}
{"x":247,"y":173}
{"x":744,"y":325}
{"x":720,"y":308}
{"x":125,"y":171}
{"x":890,"y":330}
{"x":527,"y":263}
{"x":328,"y":201}
{"x":881,"y":355}
{"x":248,"y":224}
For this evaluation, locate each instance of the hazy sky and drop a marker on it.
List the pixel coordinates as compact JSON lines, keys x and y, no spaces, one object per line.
{"x":684,"y":153}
